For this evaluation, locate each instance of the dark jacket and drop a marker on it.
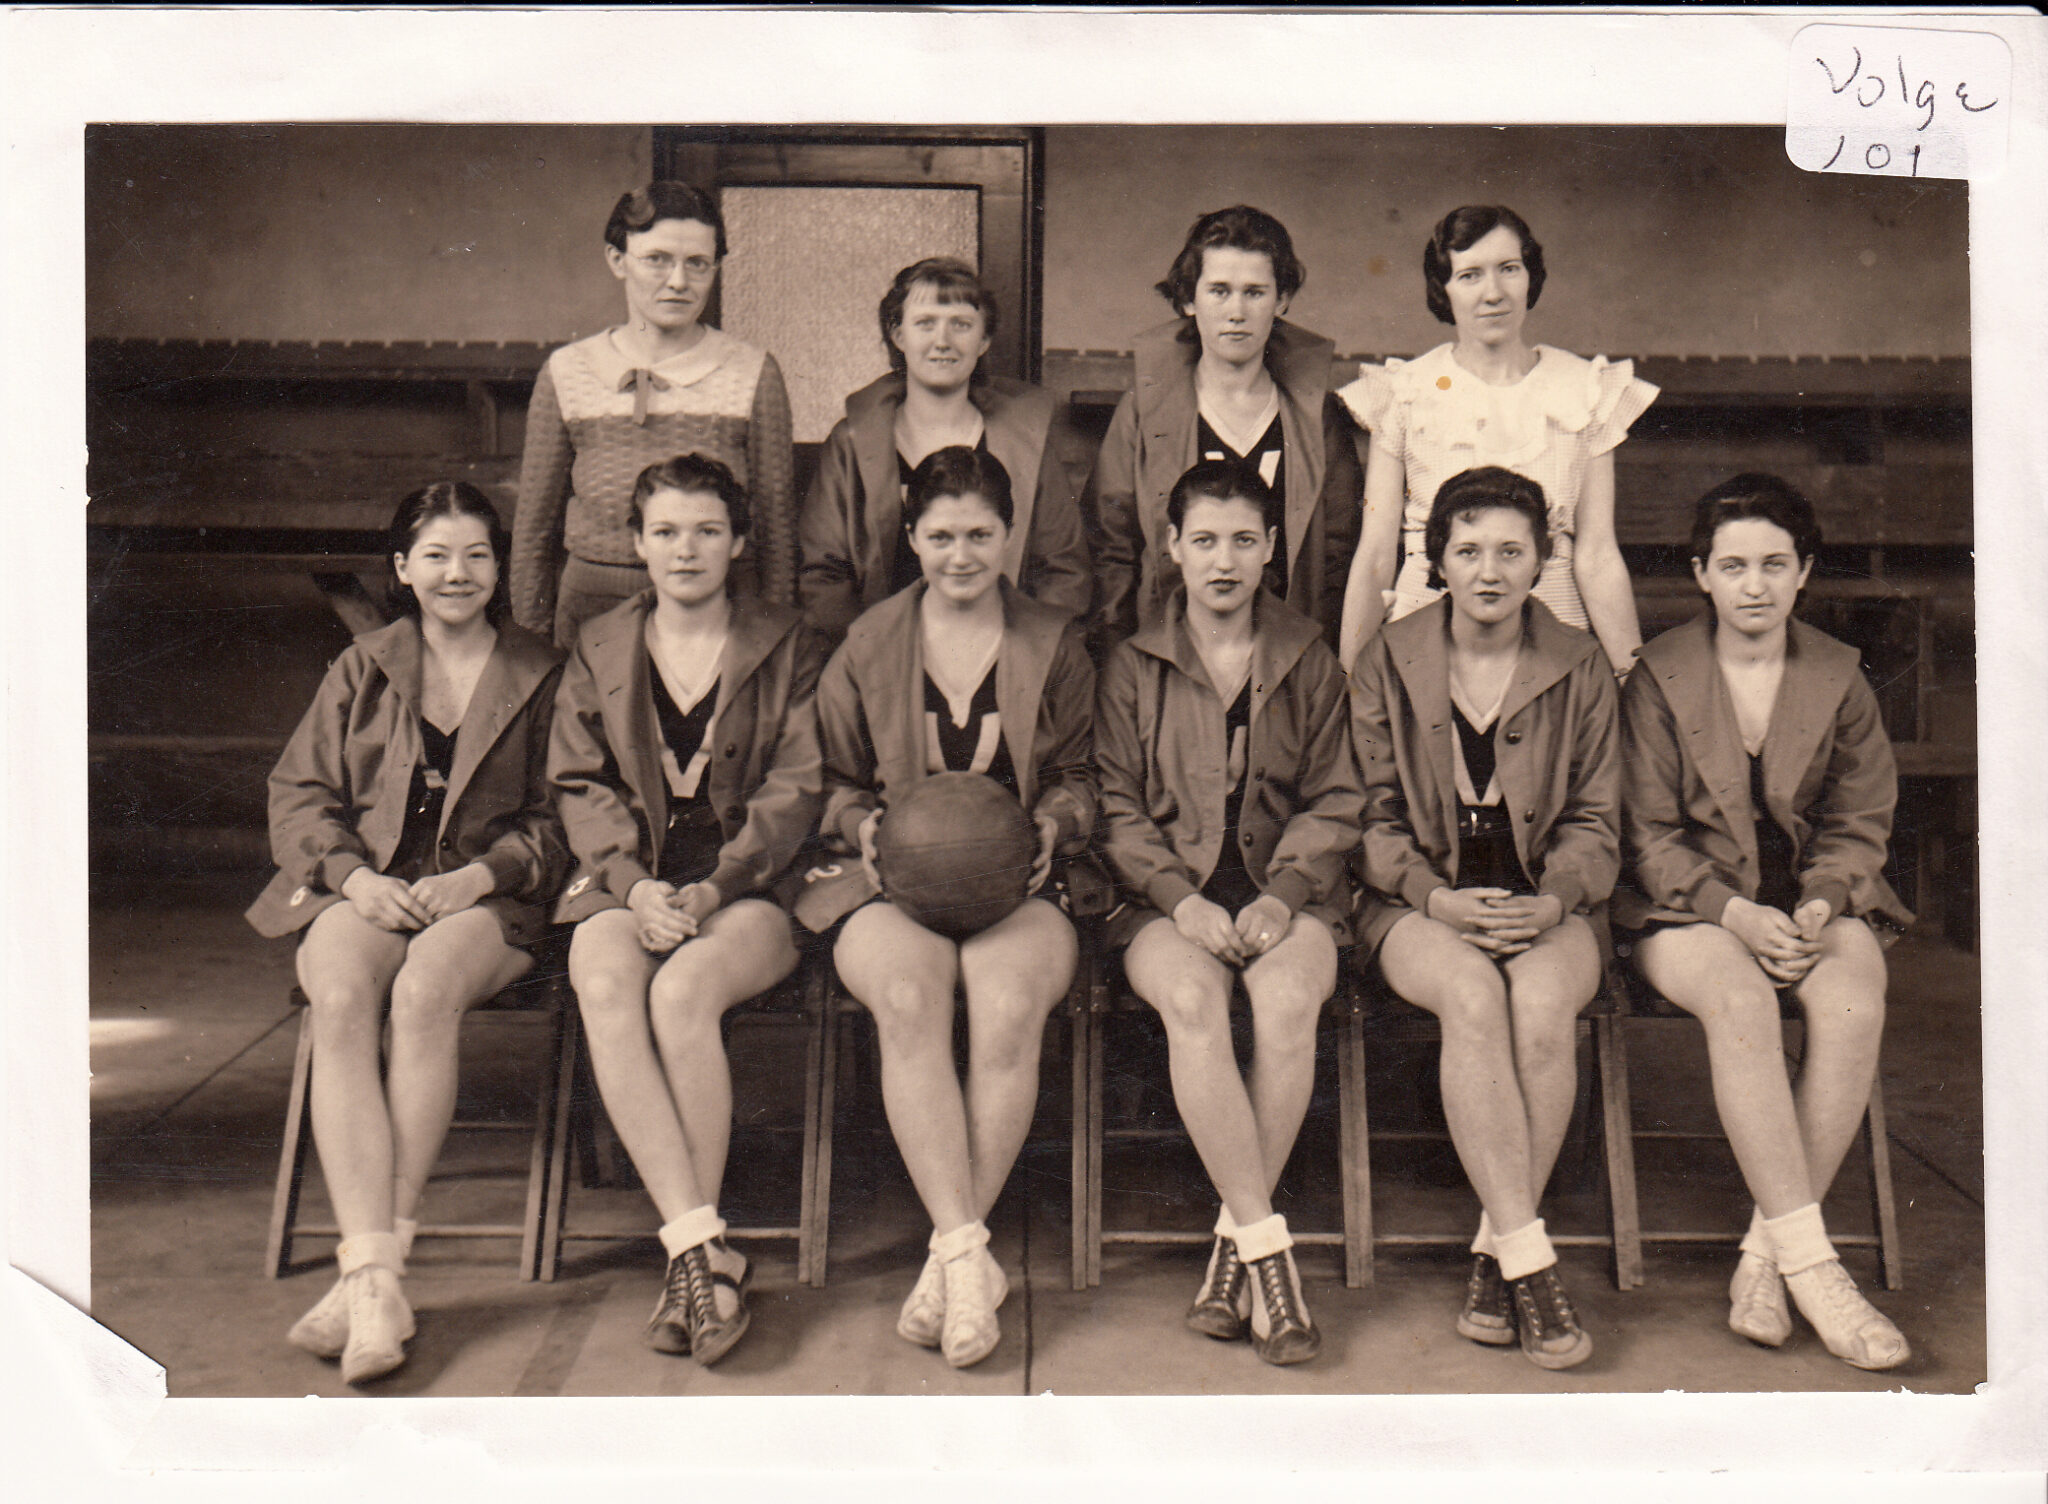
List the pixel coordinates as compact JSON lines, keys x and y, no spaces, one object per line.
{"x":853,"y":517}
{"x":1829,"y":781}
{"x":1558,"y":759}
{"x":1159,"y":735}
{"x":763,"y":779}
{"x":338,"y":795}
{"x":1151,"y":443}
{"x":871,"y":718}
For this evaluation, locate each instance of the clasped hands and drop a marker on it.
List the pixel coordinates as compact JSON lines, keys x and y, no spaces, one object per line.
{"x":391,"y":903}
{"x":1785,"y":946}
{"x":1494,"y":920}
{"x":668,"y":915}
{"x":1258,"y":927}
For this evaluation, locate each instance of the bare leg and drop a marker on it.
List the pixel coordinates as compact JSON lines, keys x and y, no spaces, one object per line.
{"x":1844,"y":1000}
{"x":1288,"y":986}
{"x":345,"y":966}
{"x":1547,"y":986}
{"x":1191,"y":991}
{"x":1432,"y":967}
{"x":742,"y":951}
{"x":450,"y":967}
{"x":1014,"y":973}
{"x":905,"y":976}
{"x":1709,"y":973}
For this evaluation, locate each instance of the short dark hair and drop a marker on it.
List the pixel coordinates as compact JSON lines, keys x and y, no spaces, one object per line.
{"x":951,"y":281}
{"x":958,"y":470}
{"x":1753,"y":494}
{"x":692,"y":472}
{"x":1223,"y":480}
{"x":450,"y":498}
{"x":1485,"y":489}
{"x":1238,"y":228}
{"x":1460,"y":230}
{"x":644,"y":208}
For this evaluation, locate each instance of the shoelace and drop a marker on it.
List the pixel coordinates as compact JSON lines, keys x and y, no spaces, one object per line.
{"x":702,"y":1294}
{"x":1230,"y":1274}
{"x":1542,"y":1301}
{"x":1276,"y":1291}
{"x":1484,"y":1288}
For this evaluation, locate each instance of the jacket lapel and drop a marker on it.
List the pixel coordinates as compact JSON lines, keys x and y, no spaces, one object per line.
{"x":1550,"y":650}
{"x":1808,"y":696}
{"x":1699,"y":702}
{"x":1300,"y":363}
{"x":1420,"y":645}
{"x":871,"y":416}
{"x":1016,"y":431}
{"x":618,"y":661}
{"x":1280,"y":635}
{"x":1021,"y":668}
{"x":397,"y":650}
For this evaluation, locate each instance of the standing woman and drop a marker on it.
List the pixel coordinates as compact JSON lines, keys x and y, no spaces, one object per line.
{"x":418,"y":853}
{"x":1229,"y":799}
{"x":659,"y":384}
{"x":1490,"y":398}
{"x":1227,"y":378}
{"x":1487,"y":736}
{"x":685,"y":759}
{"x":1759,"y":793}
{"x":962,"y":672}
{"x":937,"y":323}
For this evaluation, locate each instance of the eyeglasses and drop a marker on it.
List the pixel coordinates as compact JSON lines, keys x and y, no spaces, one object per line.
{"x":662,"y":265}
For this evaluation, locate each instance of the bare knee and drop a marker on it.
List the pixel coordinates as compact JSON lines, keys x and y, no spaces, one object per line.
{"x":1006,"y":1026}
{"x":685,"y":998}
{"x":1470,"y":1002}
{"x":911,"y":1011}
{"x":1193,"y":1008}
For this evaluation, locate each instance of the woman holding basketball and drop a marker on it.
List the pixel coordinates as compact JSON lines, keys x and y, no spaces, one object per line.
{"x":417,"y":855}
{"x":961,"y":672}
{"x":1486,"y":734}
{"x":1230,"y":800}
{"x":1759,"y":792}
{"x":685,"y":761}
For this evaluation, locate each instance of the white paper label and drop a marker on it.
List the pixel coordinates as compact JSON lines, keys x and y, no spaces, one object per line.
{"x":1898,"y":102}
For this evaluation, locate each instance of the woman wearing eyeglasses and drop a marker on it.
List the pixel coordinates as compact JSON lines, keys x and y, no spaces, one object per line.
{"x":659,"y":384}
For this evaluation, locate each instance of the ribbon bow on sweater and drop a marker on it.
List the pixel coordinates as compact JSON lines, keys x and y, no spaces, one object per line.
{"x":640,"y":379}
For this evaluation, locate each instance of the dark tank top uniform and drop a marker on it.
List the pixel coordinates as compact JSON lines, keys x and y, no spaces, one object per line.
{"x":414,"y":858}
{"x":976,"y":747}
{"x":1486,"y":838}
{"x":1231,"y":886}
{"x":1267,"y":457}
{"x":689,"y":849}
{"x":1777,"y":883}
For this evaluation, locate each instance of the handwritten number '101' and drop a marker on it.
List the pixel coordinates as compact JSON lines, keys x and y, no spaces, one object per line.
{"x":1871,"y":159}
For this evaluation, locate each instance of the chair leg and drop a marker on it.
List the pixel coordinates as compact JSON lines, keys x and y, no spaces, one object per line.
{"x":1610,"y":1056}
{"x":828,"y":1105}
{"x":1080,"y":1139}
{"x":818,"y":1004}
{"x":551,"y":1103}
{"x":1356,"y":1151}
{"x":291,"y":1159}
{"x":1884,"y":1206}
{"x":555,"y":1203}
{"x":1095,"y":1024}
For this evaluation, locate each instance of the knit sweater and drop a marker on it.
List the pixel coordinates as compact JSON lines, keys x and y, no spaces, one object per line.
{"x":594,"y":425}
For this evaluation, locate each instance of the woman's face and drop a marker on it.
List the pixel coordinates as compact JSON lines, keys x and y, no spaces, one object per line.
{"x":1490,"y":564}
{"x":668,"y":270}
{"x":687,"y":542}
{"x":1222,"y":548}
{"x":1753,"y":577}
{"x":1489,"y":288}
{"x":1236,"y":301}
{"x":941,"y":342}
{"x":451,"y":569}
{"x":959,"y":541}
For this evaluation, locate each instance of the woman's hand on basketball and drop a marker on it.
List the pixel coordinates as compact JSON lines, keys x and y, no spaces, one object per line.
{"x":1773,"y":938}
{"x":695,"y":904}
{"x":1209,"y":925}
{"x":1048,"y":837}
{"x":1471,"y":912}
{"x":1261,"y":923}
{"x":661,"y":927}
{"x":865,"y":834}
{"x":387,"y":902}
{"x":448,"y":893}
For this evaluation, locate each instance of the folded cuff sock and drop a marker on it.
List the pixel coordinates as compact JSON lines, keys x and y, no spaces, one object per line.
{"x":1263,"y":1239}
{"x":1482,"y":1241}
{"x":696,"y":1226}
{"x":1225,"y":1227}
{"x":958,"y":1243}
{"x":367,"y":1248}
{"x":1756,"y":1240}
{"x":1524,"y":1251}
{"x":1799,"y":1240}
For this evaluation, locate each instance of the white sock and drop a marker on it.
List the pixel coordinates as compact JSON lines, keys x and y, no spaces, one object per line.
{"x":1757,"y":1240}
{"x":407,"y":1228}
{"x":958,"y":1243}
{"x":367,"y":1248}
{"x":1225,"y":1227}
{"x":1263,"y":1239}
{"x":1482,"y":1240}
{"x":1799,"y":1240}
{"x":1524,"y":1251}
{"x":698,"y":1225}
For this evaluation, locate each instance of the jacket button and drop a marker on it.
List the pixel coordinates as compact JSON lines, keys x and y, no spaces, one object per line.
{"x":1247,"y":840}
{"x":1528,"y":815}
{"x":731,"y":749}
{"x":1513,"y":737}
{"x":735,"y":814}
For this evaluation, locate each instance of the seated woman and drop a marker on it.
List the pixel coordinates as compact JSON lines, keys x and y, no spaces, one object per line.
{"x":1230,"y":799}
{"x":937,"y":323}
{"x":685,"y":761}
{"x":417,"y":852}
{"x":1487,"y":737}
{"x":1758,"y":796}
{"x":961,"y":672}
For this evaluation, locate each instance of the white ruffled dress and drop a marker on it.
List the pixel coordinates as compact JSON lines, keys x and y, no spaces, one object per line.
{"x":1437,"y":418}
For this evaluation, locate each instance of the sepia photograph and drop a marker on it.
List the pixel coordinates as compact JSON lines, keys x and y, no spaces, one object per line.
{"x":1155,"y":758}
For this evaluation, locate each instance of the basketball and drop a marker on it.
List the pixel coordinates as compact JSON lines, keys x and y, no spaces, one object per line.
{"x":955,"y":853}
